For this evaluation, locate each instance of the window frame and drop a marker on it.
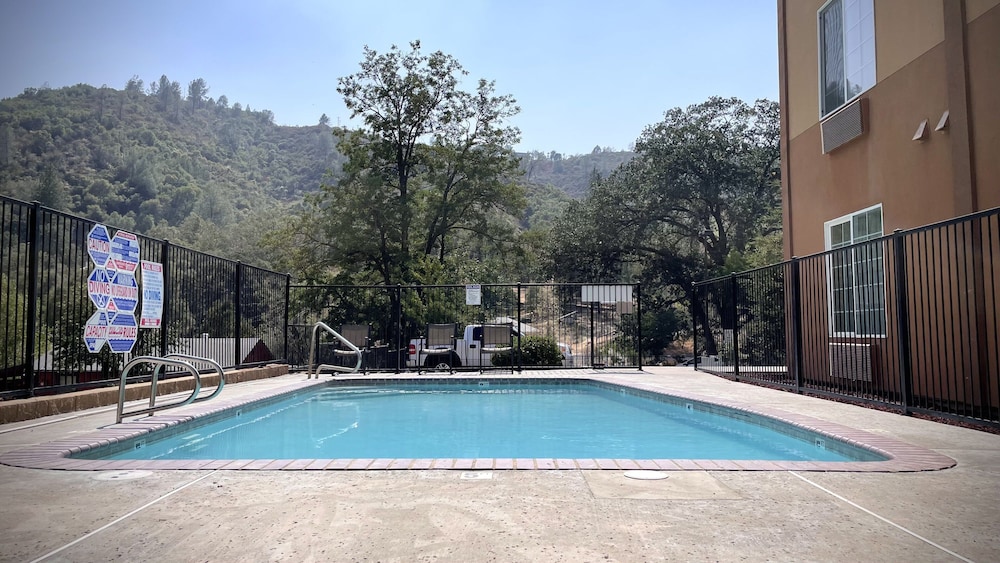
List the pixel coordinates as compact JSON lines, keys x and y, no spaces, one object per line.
{"x":820,"y":52}
{"x":855,"y":286}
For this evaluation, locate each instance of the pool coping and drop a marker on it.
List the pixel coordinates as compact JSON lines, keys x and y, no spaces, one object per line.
{"x":901,"y":456}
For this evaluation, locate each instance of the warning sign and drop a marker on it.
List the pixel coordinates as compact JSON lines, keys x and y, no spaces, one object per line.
{"x":99,"y":287}
{"x":99,"y":245}
{"x":122,"y":333}
{"x":95,"y":332}
{"x":152,"y":295}
{"x":125,"y":292}
{"x":124,"y":254}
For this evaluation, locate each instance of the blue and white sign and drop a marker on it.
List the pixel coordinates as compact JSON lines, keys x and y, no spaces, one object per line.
{"x":152,"y":295}
{"x":99,"y":245}
{"x":95,"y":332}
{"x":124,"y":255}
{"x":99,"y":287}
{"x":124,"y":292}
{"x":122,"y":333}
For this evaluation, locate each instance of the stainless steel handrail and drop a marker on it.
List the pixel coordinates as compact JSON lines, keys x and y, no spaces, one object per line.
{"x":214,"y":364}
{"x":312,"y":352}
{"x":157,"y":363}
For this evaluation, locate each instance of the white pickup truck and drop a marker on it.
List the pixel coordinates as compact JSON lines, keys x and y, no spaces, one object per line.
{"x":467,"y":352}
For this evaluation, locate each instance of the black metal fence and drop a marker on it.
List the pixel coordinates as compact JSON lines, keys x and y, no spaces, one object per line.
{"x":590,"y":325}
{"x":216,"y":308}
{"x":908,"y":320}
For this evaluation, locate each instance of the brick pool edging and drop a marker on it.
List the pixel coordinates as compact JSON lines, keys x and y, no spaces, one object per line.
{"x":902,"y":456}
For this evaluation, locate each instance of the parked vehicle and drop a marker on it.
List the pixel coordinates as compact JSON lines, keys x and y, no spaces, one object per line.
{"x":466,"y":352}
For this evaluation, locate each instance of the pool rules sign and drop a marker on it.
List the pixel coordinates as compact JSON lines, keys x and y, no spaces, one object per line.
{"x":113,"y":289}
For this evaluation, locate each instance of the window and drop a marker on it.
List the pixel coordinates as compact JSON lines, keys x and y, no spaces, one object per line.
{"x":856,"y":274}
{"x":846,"y":51}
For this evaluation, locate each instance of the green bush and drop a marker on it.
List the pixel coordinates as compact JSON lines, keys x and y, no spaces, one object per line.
{"x":535,"y":351}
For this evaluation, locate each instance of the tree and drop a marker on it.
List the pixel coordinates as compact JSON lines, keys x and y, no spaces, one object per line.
{"x":168,"y":94}
{"x":324,"y":120}
{"x":430,"y":166}
{"x":51,"y":191}
{"x":197,"y":90}
{"x":698,"y":198}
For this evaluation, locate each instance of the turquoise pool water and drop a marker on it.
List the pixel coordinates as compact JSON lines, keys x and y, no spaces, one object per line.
{"x":488,"y":420}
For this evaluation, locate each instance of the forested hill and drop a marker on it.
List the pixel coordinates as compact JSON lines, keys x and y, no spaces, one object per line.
{"x":152,"y":157}
{"x":571,"y":174}
{"x":136,"y":157}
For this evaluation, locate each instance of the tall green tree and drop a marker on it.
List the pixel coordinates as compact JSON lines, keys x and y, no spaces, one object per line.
{"x":197,"y":90}
{"x":429,"y":171}
{"x":698,"y":199}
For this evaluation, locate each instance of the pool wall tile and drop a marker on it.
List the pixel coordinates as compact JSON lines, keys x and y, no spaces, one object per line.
{"x":359,"y":463}
{"x":505,"y":463}
{"x":400,"y":464}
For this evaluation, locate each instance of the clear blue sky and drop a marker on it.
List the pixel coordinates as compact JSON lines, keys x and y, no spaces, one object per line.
{"x":584,"y":73}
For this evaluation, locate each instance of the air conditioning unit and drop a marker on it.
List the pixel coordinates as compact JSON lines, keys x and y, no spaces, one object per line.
{"x":851,"y":361}
{"x":847,"y":124}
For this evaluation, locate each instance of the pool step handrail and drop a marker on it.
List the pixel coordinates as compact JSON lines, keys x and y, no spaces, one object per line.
{"x":215,"y":366}
{"x":157,"y":362}
{"x":312,"y":352}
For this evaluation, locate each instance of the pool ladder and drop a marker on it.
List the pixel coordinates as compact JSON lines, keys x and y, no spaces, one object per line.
{"x":174,"y":360}
{"x":344,"y":341}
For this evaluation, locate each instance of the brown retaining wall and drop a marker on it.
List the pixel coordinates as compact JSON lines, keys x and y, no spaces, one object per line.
{"x":36,"y":407}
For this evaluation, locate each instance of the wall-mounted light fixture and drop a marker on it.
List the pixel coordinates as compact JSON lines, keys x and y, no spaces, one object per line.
{"x":921,"y":133}
{"x":943,"y":122}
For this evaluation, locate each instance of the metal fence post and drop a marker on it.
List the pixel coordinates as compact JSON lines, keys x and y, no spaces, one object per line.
{"x":736,"y":326}
{"x":167,"y":298}
{"x":638,"y":318}
{"x":237,"y":332}
{"x":694,"y":323}
{"x":796,"y":360}
{"x":902,"y":321}
{"x":398,"y":313}
{"x":34,"y":219}
{"x":519,"y":325}
{"x":288,"y":306}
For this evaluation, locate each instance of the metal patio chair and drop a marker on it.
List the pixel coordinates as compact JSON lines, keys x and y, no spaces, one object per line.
{"x":359,"y":336}
{"x":439,"y":345}
{"x":496,"y":338}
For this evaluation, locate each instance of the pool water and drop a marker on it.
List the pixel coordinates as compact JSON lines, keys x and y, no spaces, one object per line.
{"x":486,"y":420}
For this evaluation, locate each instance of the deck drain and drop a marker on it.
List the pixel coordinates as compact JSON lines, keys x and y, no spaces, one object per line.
{"x":646,"y":475}
{"x":477,"y":475}
{"x":124,"y":475}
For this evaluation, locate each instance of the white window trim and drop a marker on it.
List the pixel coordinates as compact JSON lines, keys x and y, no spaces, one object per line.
{"x":819,"y":66}
{"x":827,"y":243}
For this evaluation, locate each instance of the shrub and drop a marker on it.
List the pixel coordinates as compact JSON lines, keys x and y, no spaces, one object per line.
{"x":535,"y":351}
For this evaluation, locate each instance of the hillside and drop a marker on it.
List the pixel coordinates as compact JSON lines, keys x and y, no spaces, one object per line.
{"x":571,"y":174}
{"x":136,"y":159}
{"x":153,"y":160}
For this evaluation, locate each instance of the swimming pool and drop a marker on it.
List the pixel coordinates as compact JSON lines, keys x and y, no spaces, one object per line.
{"x":88,"y":451}
{"x":488,"y":419}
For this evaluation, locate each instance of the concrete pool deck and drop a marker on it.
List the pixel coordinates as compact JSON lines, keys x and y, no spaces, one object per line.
{"x":465,"y":514}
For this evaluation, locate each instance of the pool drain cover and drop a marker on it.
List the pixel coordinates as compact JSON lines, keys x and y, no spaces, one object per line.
{"x":121,"y":475}
{"x":646,"y":475}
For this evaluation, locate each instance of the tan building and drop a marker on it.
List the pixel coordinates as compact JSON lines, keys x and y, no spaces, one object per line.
{"x":890,"y":119}
{"x":890,"y":116}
